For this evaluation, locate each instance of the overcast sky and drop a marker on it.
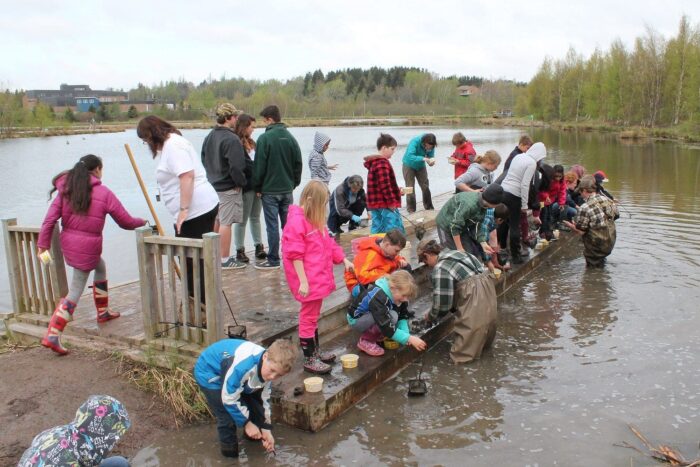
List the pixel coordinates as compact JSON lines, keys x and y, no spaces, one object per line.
{"x":119,"y":43}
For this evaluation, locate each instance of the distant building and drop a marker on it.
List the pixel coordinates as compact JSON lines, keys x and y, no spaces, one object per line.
{"x":76,"y":96}
{"x":468,"y":90}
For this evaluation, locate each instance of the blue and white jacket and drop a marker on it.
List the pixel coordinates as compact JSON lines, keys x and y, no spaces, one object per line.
{"x":233,"y":366}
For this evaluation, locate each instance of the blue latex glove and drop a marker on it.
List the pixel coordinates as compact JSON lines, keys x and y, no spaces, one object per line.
{"x":356,"y":219}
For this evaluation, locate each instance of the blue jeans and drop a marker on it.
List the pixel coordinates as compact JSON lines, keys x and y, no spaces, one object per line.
{"x":567,"y":214}
{"x":383,"y":220}
{"x":275,"y":206}
{"x":114,"y":461}
{"x":224,"y":423}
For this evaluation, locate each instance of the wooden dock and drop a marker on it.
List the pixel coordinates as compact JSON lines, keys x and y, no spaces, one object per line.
{"x":261,"y":301}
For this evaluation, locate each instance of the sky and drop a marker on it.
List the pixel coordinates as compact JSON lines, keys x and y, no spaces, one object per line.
{"x":119,"y":43}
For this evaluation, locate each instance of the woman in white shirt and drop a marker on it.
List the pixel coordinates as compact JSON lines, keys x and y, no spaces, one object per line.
{"x":183,"y":184}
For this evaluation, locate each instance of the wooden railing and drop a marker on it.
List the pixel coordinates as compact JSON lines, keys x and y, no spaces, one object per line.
{"x":168,"y":311}
{"x":35,"y":287}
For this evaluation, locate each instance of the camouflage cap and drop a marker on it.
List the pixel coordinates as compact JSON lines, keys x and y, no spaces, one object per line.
{"x":227,"y":110}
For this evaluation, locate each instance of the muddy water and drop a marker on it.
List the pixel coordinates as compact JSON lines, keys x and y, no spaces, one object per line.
{"x":579,"y":353}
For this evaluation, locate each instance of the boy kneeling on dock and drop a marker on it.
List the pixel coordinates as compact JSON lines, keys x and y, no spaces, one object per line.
{"x":235,"y":377}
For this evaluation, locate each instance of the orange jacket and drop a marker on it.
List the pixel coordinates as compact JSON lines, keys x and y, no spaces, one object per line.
{"x":370,"y":263}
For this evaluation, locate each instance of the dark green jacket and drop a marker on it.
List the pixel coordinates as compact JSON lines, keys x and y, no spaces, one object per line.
{"x":463,"y":213}
{"x":277,"y":166}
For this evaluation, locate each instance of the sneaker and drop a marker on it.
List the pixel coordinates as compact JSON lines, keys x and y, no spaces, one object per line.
{"x":260,"y":251}
{"x":314,"y":365}
{"x":370,"y":348}
{"x":232,"y":263}
{"x":266,"y":265}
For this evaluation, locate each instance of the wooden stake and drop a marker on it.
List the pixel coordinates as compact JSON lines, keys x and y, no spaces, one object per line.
{"x":159,"y":226}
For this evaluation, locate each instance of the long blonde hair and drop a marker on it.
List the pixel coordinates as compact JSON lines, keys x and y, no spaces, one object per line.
{"x":313,"y":201}
{"x":490,"y":157}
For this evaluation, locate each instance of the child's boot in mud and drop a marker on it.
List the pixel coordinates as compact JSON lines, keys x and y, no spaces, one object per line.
{"x":100,"y":293}
{"x":326,"y":357}
{"x":312,"y":362}
{"x":60,"y":318}
{"x":229,"y":450}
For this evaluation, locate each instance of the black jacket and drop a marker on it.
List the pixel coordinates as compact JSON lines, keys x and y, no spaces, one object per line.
{"x":224,"y":160}
{"x":340,"y":200}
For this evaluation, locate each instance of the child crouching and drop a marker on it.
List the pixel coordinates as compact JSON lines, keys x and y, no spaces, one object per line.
{"x":235,"y":377}
{"x":381,"y":310}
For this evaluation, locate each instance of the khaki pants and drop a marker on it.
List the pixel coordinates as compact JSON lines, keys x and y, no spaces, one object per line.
{"x":475,"y":318}
{"x":410,"y":176}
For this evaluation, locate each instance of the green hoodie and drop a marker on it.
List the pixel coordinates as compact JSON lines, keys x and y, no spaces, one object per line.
{"x":463,"y":213}
{"x":278,"y":164}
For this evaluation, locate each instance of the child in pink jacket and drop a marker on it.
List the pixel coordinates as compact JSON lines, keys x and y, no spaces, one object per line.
{"x":308,"y":254}
{"x":82,"y":204}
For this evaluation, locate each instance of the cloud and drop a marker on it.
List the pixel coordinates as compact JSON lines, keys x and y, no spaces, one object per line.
{"x":119,"y":44}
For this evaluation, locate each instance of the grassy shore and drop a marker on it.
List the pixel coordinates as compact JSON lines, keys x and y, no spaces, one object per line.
{"x":687,"y":132}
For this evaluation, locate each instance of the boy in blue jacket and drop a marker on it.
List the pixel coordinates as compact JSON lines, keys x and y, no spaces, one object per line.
{"x":381,"y":310}
{"x":235,"y":377}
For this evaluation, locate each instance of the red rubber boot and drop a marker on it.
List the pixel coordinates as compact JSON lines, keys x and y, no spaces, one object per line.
{"x":61,"y":316}
{"x":101,"y":296}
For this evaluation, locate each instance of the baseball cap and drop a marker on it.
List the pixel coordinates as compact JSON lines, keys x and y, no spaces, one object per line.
{"x":600,"y":176}
{"x":227,"y":110}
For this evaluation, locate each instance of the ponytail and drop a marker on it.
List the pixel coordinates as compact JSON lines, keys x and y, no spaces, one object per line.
{"x":77,"y":187}
{"x":490,"y":157}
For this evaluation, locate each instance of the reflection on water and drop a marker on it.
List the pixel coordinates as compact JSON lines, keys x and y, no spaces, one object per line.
{"x":579,"y":353}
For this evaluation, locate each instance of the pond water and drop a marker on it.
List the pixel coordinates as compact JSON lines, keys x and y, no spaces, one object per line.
{"x":579,"y":353}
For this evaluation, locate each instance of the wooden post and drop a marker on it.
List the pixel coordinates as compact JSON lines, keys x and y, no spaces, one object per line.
{"x":212,"y":287}
{"x":148,"y":282}
{"x":58,"y":267}
{"x":12,"y":260}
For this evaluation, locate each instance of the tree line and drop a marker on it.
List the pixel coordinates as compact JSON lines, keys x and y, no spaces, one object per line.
{"x":654,"y":83}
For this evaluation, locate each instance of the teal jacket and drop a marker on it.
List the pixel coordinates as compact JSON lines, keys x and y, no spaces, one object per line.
{"x":278,"y":164}
{"x":463,"y":213}
{"x":415,"y":152}
{"x":377,"y":300}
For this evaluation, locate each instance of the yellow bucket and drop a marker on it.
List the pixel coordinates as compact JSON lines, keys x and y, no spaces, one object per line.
{"x":313,"y":384}
{"x":390,"y":344}
{"x":349,"y":360}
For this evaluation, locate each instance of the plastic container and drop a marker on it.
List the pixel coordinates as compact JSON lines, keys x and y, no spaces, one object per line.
{"x":313,"y":384}
{"x":349,"y":360}
{"x":390,"y":344}
{"x":45,"y":257}
{"x":497,"y":273}
{"x":408,"y":190}
{"x":555,"y":234}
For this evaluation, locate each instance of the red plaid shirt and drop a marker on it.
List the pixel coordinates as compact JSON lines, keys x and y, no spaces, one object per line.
{"x":382,"y":190}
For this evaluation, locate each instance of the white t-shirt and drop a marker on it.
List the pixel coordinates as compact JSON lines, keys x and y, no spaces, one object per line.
{"x":176,"y":158}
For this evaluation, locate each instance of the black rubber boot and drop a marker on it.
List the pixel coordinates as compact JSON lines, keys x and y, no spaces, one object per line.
{"x":260,"y":251}
{"x":312,"y":362}
{"x":229,"y":450}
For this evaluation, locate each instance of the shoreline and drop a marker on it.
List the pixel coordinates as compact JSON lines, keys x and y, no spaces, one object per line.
{"x":681,"y":134}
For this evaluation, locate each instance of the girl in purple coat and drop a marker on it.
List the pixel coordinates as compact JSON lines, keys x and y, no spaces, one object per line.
{"x":308,"y":253}
{"x":82,"y":204}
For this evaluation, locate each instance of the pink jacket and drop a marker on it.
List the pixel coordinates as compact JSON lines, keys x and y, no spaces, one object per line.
{"x":318,"y":251}
{"x":81,"y":234}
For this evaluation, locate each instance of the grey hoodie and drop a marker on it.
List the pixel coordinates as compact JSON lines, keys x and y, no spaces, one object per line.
{"x":522,"y":169}
{"x":476,"y":177}
{"x":317,"y":161}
